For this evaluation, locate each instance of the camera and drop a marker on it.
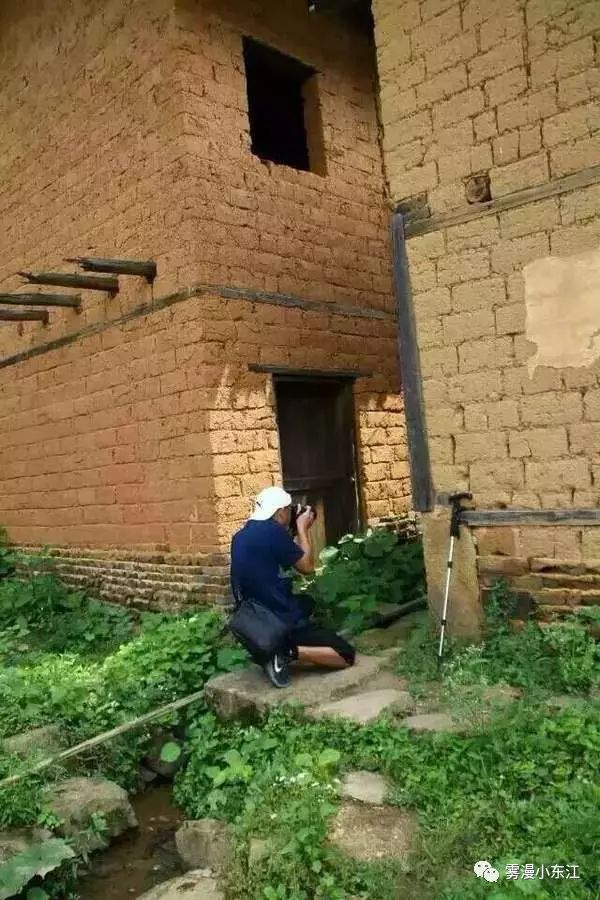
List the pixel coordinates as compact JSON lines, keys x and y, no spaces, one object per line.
{"x":297,"y":510}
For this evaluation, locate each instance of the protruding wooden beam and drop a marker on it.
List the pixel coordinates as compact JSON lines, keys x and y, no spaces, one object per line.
{"x":72,"y":301}
{"x":24,"y":315}
{"x":66,"y":279}
{"x":143,"y":268}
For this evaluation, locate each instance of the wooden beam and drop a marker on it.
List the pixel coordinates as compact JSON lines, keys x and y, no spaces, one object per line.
{"x":414,"y":411}
{"x":65,"y":279}
{"x":285,"y":371}
{"x":499,"y":517}
{"x":72,"y":301}
{"x":145,"y":269}
{"x":24,"y":315}
{"x":565,"y":185}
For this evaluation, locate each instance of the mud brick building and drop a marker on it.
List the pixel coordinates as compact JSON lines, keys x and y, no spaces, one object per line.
{"x":491,"y":142}
{"x":234,"y":143}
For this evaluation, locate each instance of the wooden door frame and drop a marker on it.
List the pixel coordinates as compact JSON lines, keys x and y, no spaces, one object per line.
{"x":346,"y":382}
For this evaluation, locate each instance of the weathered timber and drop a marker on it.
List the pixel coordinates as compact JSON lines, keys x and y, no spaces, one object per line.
{"x":418,"y":448}
{"x":105,"y":736}
{"x":286,"y":371}
{"x":498,"y":517}
{"x":66,"y":279}
{"x":200,"y":290}
{"x":143,"y":268}
{"x":24,"y":315}
{"x":72,"y":301}
{"x":582,"y":179}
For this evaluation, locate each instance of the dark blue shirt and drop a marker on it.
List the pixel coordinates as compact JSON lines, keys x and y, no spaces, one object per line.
{"x":260,"y":552}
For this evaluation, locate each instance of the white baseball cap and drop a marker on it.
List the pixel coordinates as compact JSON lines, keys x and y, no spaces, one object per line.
{"x":268,"y":502}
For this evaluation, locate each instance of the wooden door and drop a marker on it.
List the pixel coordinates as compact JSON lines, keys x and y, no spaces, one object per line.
{"x":317,"y":445}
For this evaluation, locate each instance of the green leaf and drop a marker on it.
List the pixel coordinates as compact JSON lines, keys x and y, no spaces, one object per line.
{"x":37,"y":893}
{"x":170,"y":752}
{"x":37,"y":861}
{"x":329,"y":757}
{"x":303,"y":761}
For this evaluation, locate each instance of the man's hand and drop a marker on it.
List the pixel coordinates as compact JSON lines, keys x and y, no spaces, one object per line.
{"x":305,"y":520}
{"x":305,"y":565}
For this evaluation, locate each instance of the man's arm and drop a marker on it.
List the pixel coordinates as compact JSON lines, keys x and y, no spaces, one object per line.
{"x":306,"y":563}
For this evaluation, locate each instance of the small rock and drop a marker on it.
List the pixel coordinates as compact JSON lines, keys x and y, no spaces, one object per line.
{"x":198,"y":884}
{"x":367,"y":833}
{"x":364,"y":708}
{"x":76,"y":800}
{"x":46,"y":741}
{"x":257,"y":851}
{"x":365,"y":787}
{"x":431,"y":722}
{"x":204,"y":843}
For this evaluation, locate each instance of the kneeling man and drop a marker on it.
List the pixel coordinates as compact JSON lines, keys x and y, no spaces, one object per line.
{"x":260,"y":552}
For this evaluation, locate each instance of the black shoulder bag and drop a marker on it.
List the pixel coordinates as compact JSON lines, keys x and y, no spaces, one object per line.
{"x":258,"y":629}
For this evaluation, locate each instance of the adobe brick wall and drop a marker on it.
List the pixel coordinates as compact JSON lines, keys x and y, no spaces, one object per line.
{"x":558,"y":568}
{"x":153,"y":433}
{"x":125,"y":133}
{"x":508,"y":88}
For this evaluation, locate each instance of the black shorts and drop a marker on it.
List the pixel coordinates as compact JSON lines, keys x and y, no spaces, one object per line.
{"x":310,"y":635}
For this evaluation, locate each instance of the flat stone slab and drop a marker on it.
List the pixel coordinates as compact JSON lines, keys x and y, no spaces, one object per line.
{"x":369,"y":833}
{"x":46,"y":741}
{"x":364,"y":707}
{"x":76,"y":800}
{"x":247,"y":693}
{"x":438,"y":721}
{"x":199,"y":884}
{"x":365,"y":787}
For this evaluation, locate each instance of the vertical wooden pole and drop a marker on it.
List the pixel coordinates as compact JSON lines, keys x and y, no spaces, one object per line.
{"x":414,"y":412}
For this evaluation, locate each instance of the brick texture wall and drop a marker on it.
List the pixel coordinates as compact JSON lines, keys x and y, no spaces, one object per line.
{"x":507,"y":89}
{"x":126,"y":133}
{"x":154,"y":434}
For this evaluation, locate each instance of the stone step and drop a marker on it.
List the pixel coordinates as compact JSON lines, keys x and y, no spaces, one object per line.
{"x":364,"y":707}
{"x":247,"y":694}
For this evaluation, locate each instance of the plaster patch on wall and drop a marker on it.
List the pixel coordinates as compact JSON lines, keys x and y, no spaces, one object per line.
{"x":562,"y":297}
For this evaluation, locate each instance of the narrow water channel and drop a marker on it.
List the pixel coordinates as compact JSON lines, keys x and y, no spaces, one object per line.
{"x":142,"y":857}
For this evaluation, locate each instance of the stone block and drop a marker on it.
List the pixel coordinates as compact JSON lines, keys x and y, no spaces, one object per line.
{"x":365,"y":787}
{"x":465,"y":614}
{"x":451,"y":52}
{"x":486,"y":292}
{"x":363,"y":708}
{"x":519,"y":175}
{"x":529,"y":219}
{"x":464,"y":326}
{"x":510,"y":319}
{"x":198,"y":884}
{"x":247,"y":694}
{"x":462,"y":106}
{"x":76,"y":800}
{"x":506,"y":86}
{"x":503,"y":565}
{"x":205,"y":844}
{"x":501,"y":58}
{"x":428,"y":722}
{"x":45,"y":741}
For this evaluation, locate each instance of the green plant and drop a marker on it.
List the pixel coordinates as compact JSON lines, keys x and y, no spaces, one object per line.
{"x":362,"y":572}
{"x":35,"y":862}
{"x":7,"y":555}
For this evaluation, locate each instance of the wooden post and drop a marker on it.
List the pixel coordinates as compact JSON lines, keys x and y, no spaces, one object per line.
{"x":144,"y":269}
{"x":72,"y":301}
{"x":24,"y":315}
{"x":65,"y":279}
{"x":418,"y":447}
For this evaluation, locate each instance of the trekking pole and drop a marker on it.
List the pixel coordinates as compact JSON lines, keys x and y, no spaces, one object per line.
{"x":455,"y":501}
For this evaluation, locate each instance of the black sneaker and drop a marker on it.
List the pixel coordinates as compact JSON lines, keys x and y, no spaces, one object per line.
{"x":278,"y":670}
